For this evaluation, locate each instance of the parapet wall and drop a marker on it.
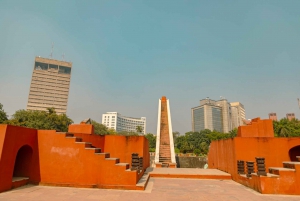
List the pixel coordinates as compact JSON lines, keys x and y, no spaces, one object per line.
{"x":257,"y":140}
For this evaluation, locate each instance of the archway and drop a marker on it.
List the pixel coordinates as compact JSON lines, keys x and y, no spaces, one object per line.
{"x":293,"y":152}
{"x":23,"y":162}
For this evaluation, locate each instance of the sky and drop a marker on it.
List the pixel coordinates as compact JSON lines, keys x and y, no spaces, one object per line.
{"x":128,"y":54}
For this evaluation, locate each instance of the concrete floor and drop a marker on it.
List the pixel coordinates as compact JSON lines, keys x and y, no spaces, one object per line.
{"x":157,"y":189}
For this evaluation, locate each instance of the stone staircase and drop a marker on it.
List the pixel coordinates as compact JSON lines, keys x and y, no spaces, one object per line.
{"x":288,"y":167}
{"x":113,"y":167}
{"x":164,"y":147}
{"x":286,"y":179}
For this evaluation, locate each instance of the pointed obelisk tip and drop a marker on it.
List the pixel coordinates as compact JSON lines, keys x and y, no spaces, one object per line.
{"x":163,"y":98}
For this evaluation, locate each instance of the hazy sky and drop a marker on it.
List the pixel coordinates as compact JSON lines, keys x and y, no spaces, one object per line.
{"x":127,"y":54}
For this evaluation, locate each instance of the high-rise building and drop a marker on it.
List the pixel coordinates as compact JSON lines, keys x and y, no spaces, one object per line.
{"x":237,"y":114}
{"x":273,"y":116}
{"x":50,"y":85}
{"x":121,"y":123}
{"x":212,"y":115}
{"x":290,"y":116}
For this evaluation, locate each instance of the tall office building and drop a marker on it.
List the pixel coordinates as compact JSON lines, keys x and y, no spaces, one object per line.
{"x":121,"y":123}
{"x":50,"y":85}
{"x":273,"y":116}
{"x":212,"y":115}
{"x":237,"y":114}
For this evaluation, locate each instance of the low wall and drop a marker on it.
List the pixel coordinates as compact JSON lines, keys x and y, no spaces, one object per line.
{"x":190,"y":161}
{"x":184,"y":161}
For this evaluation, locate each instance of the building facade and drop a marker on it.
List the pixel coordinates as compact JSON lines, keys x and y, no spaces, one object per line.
{"x":212,"y":115}
{"x":237,"y":114}
{"x":273,"y":116}
{"x":50,"y":85}
{"x":121,"y":123}
{"x":290,"y":116}
{"x":218,"y":115}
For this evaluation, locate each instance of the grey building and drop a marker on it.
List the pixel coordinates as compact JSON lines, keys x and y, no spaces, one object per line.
{"x":50,"y":85}
{"x":212,"y":115}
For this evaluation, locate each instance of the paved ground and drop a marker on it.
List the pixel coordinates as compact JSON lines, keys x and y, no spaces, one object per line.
{"x":187,"y":171}
{"x":157,"y":189}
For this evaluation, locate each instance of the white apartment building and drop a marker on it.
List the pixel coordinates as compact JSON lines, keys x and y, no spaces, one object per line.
{"x":121,"y":123}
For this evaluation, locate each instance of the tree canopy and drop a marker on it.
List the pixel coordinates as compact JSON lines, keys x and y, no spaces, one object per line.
{"x":101,"y":129}
{"x":198,"y":142}
{"x":152,"y":140}
{"x":3,"y":115}
{"x":286,"y":128}
{"x":139,"y":129}
{"x":47,"y":120}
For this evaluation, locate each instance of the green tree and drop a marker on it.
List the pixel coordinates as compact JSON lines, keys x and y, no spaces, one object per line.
{"x":127,"y":133}
{"x":3,"y":115}
{"x":139,"y":129}
{"x":233,"y":133}
{"x":112,"y":131}
{"x":176,"y":134}
{"x":286,"y":128}
{"x":48,"y":120}
{"x":152,"y":140}
{"x":197,"y":151}
{"x":100,"y":129}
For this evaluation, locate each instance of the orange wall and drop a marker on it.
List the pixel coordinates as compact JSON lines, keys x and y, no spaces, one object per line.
{"x":64,"y":162}
{"x":223,"y":154}
{"x":81,"y":128}
{"x":14,"y":138}
{"x":57,"y":160}
{"x":257,"y":128}
{"x":123,"y":146}
{"x":257,"y":140}
{"x":97,"y":140}
{"x":120,"y":146}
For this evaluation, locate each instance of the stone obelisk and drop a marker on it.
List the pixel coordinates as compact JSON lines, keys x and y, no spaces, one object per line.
{"x":164,"y":153}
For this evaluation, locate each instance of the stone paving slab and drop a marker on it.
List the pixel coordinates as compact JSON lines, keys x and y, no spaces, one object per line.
{"x":195,"y":173}
{"x":157,"y":189}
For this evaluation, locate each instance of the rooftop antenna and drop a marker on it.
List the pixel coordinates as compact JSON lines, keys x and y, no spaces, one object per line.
{"x":63,"y":56}
{"x":51,"y":54}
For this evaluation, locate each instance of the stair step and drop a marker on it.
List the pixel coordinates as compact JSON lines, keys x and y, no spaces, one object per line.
{"x":77,"y":139}
{"x":298,"y":158}
{"x":123,"y":164}
{"x":87,"y":144}
{"x":66,"y":133}
{"x":276,"y":170}
{"x":289,"y":164}
{"x":96,"y":150}
{"x":106,"y":155}
{"x":115,"y":159}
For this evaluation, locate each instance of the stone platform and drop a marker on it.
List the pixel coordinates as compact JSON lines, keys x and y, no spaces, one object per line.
{"x":189,"y":173}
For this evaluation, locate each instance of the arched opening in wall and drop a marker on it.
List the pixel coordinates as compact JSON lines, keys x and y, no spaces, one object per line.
{"x":293,"y":152}
{"x":23,"y":162}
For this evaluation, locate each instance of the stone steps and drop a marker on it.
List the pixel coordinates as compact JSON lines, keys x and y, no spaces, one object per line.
{"x":277,"y":170}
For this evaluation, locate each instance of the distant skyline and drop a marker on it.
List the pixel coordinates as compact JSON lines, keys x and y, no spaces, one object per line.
{"x":128,"y":54}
